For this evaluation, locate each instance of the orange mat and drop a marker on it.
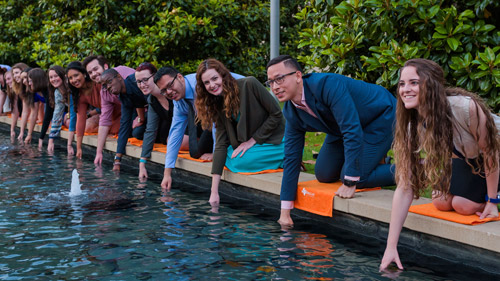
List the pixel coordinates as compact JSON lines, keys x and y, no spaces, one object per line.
{"x":317,"y":198}
{"x":134,"y":141}
{"x":186,"y":156}
{"x":160,"y":147}
{"x":431,"y":211}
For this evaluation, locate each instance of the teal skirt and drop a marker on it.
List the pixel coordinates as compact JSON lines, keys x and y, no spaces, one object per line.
{"x":258,"y":158}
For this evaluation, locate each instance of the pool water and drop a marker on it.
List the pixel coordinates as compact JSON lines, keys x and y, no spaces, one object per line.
{"x":121,"y":229}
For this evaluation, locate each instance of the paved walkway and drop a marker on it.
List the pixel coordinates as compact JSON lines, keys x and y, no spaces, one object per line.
{"x":374,"y":205}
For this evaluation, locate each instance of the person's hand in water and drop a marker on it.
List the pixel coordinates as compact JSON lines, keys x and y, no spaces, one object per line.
{"x":214,"y":199}
{"x":390,"y":255}
{"x":285,"y":218}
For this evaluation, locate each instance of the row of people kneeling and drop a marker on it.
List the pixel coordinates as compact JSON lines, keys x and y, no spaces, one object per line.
{"x":443,"y":138}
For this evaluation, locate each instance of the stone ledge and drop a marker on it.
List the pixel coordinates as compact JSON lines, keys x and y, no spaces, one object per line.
{"x":374,"y":205}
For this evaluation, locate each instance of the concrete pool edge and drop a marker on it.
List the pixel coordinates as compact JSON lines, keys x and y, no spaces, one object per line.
{"x":367,"y":214}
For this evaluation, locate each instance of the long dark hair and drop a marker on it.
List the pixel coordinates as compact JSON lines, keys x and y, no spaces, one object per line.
{"x":26,"y":94}
{"x":63,"y":89}
{"x":76,"y":65}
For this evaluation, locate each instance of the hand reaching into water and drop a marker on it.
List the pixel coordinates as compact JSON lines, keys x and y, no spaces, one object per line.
{"x":214,"y":199}
{"x":285,"y":218}
{"x":27,"y":140}
{"x":390,"y":255}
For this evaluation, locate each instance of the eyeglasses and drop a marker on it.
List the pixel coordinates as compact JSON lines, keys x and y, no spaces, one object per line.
{"x":144,"y":81}
{"x":278,"y":80}
{"x":169,"y":86}
{"x":105,"y":84}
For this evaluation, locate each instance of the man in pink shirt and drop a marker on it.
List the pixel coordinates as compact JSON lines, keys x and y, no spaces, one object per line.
{"x":110,"y":104}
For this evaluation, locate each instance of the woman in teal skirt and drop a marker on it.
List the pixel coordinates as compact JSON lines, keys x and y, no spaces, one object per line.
{"x":249,"y":123}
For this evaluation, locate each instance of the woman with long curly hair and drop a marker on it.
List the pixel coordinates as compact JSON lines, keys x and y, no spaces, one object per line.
{"x":445,"y":139}
{"x":14,"y":94}
{"x":249,"y":123}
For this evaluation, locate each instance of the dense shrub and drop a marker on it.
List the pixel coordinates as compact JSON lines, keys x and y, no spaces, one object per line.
{"x":370,"y":40}
{"x":181,"y":33}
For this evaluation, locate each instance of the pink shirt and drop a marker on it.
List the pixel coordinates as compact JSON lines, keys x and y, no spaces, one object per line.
{"x":110,"y":104}
{"x":84,"y":101}
{"x":305,"y":107}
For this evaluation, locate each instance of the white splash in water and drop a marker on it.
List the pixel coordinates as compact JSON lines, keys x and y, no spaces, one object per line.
{"x":75,"y":184}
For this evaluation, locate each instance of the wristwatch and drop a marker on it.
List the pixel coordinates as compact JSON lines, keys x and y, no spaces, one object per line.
{"x":492,"y":200}
{"x":139,"y":120}
{"x":349,"y":183}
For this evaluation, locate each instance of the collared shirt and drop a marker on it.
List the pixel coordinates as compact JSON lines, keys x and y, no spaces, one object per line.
{"x":110,"y":102}
{"x":180,"y":120}
{"x":130,"y":100}
{"x":305,"y":107}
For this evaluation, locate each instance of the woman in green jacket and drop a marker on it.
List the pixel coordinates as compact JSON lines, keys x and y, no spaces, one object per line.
{"x":249,"y":123}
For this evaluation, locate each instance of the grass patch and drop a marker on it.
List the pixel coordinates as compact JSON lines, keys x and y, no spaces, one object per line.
{"x":313,"y":143}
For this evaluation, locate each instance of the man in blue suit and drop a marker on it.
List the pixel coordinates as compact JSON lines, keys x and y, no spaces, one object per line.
{"x":357,"y":117}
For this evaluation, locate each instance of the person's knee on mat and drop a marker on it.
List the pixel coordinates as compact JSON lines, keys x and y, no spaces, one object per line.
{"x":465,"y":206}
{"x":325,"y":177}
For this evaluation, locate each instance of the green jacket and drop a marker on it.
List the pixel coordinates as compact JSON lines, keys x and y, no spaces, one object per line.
{"x":260,"y":117}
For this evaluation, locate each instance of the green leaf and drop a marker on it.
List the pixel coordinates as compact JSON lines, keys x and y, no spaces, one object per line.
{"x":490,"y":54}
{"x":485,"y":85}
{"x":453,"y":43}
{"x":437,"y":35}
{"x":466,"y":14}
{"x":441,"y":29}
{"x":487,"y":28}
{"x":433,"y":11}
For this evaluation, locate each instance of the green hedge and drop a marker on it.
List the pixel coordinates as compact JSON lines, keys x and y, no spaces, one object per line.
{"x":181,"y":33}
{"x":371,"y":40}
{"x":367,"y":40}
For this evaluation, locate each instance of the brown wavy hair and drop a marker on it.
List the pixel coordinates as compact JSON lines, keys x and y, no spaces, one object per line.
{"x":18,"y":88}
{"x":423,"y":142}
{"x":209,"y":106}
{"x":8,"y":90}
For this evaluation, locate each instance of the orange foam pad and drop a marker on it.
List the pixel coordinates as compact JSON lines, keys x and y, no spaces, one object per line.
{"x":134,"y":141}
{"x":186,"y":156}
{"x":90,"y":134}
{"x":317,"y":198}
{"x":259,"y":172}
{"x":431,"y":211}
{"x":160,"y":147}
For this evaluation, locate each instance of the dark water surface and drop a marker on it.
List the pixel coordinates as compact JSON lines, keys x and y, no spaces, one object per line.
{"x":121,"y":229}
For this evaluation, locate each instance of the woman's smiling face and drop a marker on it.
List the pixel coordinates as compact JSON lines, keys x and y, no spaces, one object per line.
{"x":76,"y":78}
{"x":212,"y":81}
{"x":54,"y":79}
{"x":145,"y":81}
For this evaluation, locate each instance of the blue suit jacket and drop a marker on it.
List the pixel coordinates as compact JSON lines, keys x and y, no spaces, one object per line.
{"x":347,"y":109}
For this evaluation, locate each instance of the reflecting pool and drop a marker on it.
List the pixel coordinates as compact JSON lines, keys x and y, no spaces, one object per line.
{"x":121,"y":229}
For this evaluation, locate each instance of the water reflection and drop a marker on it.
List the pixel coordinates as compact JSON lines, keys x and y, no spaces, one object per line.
{"x":121,"y":228}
